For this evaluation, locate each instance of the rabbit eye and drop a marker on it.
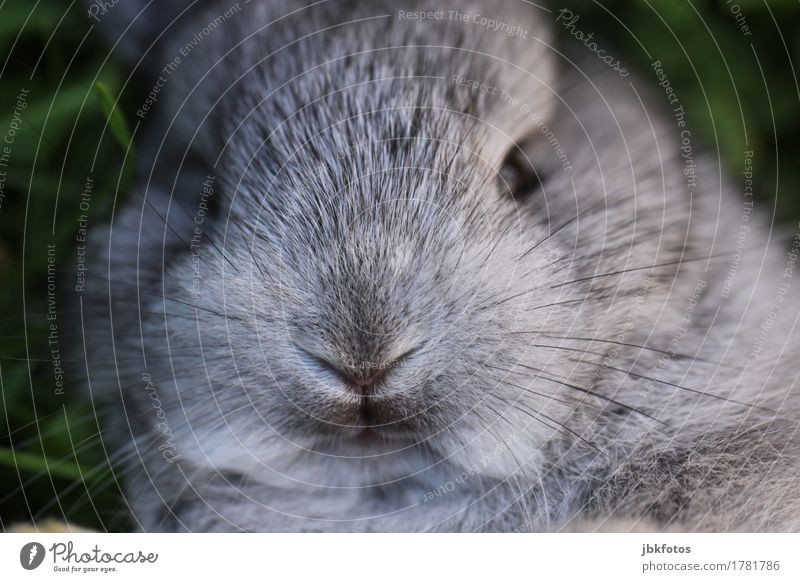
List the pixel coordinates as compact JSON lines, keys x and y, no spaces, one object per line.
{"x":518,"y":177}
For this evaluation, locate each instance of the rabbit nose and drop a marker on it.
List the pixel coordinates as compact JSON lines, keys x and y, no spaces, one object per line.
{"x":363,"y":378}
{"x":363,"y":383}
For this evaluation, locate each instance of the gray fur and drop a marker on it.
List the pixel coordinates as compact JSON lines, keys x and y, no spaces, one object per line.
{"x":358,"y":216}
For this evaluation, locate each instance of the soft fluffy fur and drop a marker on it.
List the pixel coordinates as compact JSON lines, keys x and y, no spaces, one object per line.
{"x":358,"y":216}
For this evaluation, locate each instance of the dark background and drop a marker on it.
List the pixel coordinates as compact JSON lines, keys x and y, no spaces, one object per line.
{"x":740,"y":93}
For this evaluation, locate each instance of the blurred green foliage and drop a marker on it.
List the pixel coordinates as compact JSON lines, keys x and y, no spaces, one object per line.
{"x":51,"y":462}
{"x":740,"y":92}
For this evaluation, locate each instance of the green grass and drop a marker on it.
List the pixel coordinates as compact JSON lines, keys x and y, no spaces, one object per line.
{"x":740,"y":92}
{"x":52,"y":462}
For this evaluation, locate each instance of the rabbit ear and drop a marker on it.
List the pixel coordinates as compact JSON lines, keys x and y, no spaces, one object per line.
{"x":135,"y":28}
{"x":517,"y":41}
{"x":524,"y":100}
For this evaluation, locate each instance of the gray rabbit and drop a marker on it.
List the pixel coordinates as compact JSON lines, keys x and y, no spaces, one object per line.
{"x":413,"y":267}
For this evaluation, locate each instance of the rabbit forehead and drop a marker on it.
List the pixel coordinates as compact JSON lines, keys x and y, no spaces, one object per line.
{"x":369,"y":75}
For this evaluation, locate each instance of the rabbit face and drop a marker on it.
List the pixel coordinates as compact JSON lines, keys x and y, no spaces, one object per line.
{"x":398,"y":233}
{"x":381,"y":313}
{"x":378,"y":255}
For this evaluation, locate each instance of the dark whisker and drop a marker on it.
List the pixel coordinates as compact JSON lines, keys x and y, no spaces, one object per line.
{"x":643,"y":377}
{"x":547,"y":334}
{"x":534,"y":392}
{"x":590,"y":393}
{"x":633,"y":269}
{"x":558,"y":229}
{"x":180,"y":238}
{"x":693,"y":390}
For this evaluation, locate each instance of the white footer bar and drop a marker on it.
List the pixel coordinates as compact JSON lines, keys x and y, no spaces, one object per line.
{"x":396,"y":557}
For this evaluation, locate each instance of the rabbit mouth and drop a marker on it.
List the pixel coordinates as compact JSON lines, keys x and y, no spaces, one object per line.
{"x":369,"y":437}
{"x":374,"y":421}
{"x":377,"y":425}
{"x":369,"y":441}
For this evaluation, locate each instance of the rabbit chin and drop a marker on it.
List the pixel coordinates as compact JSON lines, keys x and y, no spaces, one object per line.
{"x":283,"y":463}
{"x":366,"y":458}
